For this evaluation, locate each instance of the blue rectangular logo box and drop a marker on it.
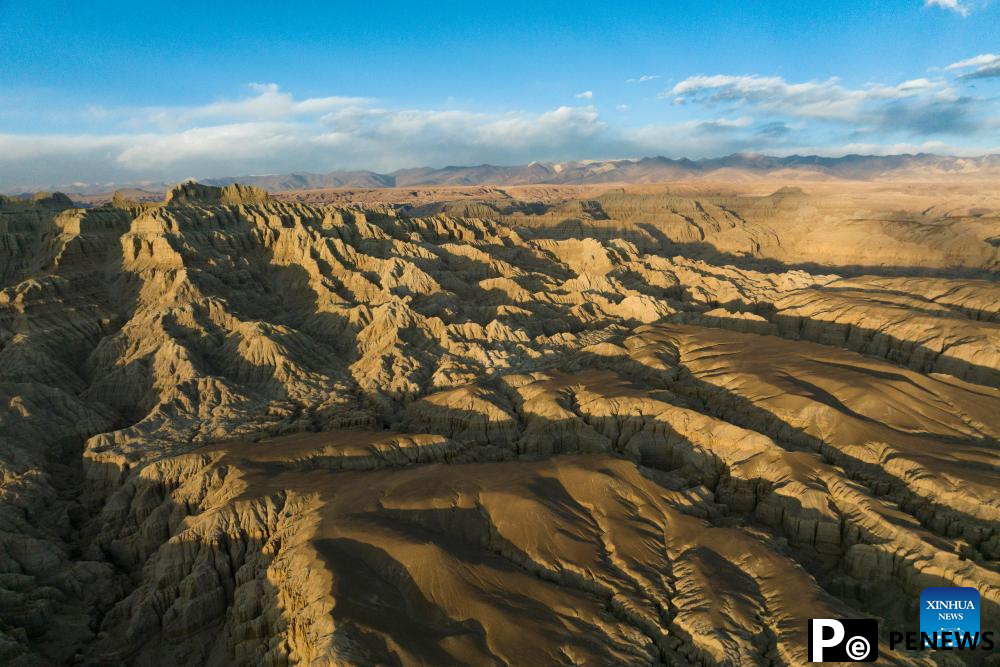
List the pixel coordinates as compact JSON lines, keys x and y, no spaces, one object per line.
{"x":949,"y":609}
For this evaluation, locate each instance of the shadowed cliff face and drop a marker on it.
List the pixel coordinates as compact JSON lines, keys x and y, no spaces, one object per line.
{"x":243,"y":431}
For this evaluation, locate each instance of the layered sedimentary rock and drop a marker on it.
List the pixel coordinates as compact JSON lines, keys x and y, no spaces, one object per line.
{"x":244,"y":431}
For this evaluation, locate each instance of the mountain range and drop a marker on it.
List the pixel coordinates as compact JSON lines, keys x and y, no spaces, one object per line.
{"x":645,"y":170}
{"x":735,"y":167}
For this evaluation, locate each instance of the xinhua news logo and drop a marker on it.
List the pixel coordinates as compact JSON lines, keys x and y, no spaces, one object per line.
{"x":949,"y":621}
{"x":951,"y":612}
{"x":843,"y":640}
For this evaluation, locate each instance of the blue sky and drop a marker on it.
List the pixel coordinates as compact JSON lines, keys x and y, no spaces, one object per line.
{"x":112,"y":92}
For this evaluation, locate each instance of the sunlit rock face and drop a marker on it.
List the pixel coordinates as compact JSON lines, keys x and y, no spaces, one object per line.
{"x":622,"y":429}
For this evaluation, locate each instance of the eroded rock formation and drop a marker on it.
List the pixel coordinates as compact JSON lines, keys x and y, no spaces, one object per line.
{"x":244,"y":431}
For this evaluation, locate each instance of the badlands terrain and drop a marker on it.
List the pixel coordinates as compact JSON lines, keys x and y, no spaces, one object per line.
{"x":576,"y":423}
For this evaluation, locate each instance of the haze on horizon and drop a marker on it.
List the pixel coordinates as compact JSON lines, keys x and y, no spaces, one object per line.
{"x":94,"y":94}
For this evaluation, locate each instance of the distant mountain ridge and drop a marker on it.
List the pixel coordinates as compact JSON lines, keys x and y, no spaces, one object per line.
{"x":644,"y":170}
{"x":735,"y":167}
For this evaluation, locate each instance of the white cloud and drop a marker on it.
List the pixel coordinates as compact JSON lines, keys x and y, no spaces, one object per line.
{"x":812,"y":99}
{"x":312,"y":134}
{"x":953,"y":5}
{"x":231,"y":142}
{"x":585,"y":95}
{"x":268,"y":102}
{"x":374,"y":138}
{"x":643,"y":79}
{"x":450,"y":132}
{"x":917,"y":106}
{"x":976,"y":61}
{"x":272,"y":131}
{"x":986,"y":65}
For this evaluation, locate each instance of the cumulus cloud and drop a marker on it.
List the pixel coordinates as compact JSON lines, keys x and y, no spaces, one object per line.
{"x":268,"y":102}
{"x":585,"y":95}
{"x":983,"y":66}
{"x":271,"y":131}
{"x":953,"y":5}
{"x":923,"y":106}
